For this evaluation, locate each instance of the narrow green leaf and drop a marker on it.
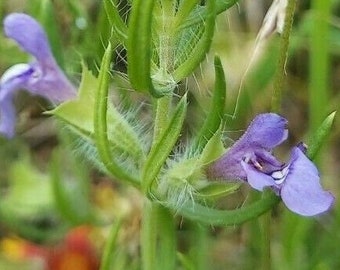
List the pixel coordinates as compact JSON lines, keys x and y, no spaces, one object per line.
{"x":202,"y":47}
{"x":216,"y":112}
{"x":104,"y":30}
{"x":218,"y":189}
{"x":118,"y":25}
{"x":100,"y":124}
{"x":110,"y":247}
{"x":184,"y":9}
{"x":320,"y":136}
{"x":162,"y":148}
{"x":202,"y":13}
{"x":223,"y":5}
{"x":215,"y":217}
{"x":139,"y":46}
{"x":213,"y":149}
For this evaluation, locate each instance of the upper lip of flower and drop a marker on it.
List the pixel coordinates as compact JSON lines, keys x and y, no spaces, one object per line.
{"x":264,"y":133}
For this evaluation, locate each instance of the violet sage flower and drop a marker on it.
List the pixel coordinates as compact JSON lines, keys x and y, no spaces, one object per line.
{"x":250,"y":159}
{"x":41,"y":77}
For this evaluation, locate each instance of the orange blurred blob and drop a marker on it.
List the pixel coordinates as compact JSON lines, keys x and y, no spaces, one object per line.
{"x":75,"y":252}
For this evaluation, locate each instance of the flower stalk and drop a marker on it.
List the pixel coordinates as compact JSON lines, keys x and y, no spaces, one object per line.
{"x":276,"y":107}
{"x":281,"y":64}
{"x":319,"y":62}
{"x":166,"y":239}
{"x":149,"y":235}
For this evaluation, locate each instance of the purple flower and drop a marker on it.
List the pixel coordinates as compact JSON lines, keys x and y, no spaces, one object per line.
{"x":41,"y":77}
{"x":250,"y":159}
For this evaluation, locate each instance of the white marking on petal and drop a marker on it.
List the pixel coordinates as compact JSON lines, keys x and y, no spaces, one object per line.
{"x":280,"y":176}
{"x":13,"y":72}
{"x":277,"y":175}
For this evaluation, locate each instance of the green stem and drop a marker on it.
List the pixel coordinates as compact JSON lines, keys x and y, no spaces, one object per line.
{"x":110,"y":247}
{"x":149,"y":235}
{"x":265,"y":222}
{"x":215,"y":217}
{"x":158,"y":238}
{"x":166,"y":49}
{"x":200,"y":246}
{"x":319,"y":62}
{"x":157,"y":221}
{"x":162,"y":146}
{"x":284,"y":43}
{"x":161,"y":115}
{"x":167,"y":239}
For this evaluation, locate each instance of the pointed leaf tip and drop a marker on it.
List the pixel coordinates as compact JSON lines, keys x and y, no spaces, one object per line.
{"x":318,"y":138}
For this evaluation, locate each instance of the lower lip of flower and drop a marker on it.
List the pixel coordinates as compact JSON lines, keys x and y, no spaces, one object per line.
{"x":280,"y":176}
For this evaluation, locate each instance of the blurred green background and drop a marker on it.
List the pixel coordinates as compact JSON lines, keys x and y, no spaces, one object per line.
{"x":47,"y":193}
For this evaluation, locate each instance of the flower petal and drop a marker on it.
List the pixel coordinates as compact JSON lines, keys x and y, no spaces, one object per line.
{"x":29,"y":34}
{"x":267,"y":161}
{"x":50,"y":82}
{"x":12,"y":80}
{"x":43,"y":77}
{"x":7,"y":117}
{"x":267,"y":130}
{"x":228,"y":167}
{"x":256,"y":178}
{"x":301,"y":191}
{"x":264,"y":133}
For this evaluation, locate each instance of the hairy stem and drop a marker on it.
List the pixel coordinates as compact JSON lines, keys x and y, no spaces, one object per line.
{"x":284,"y":43}
{"x":149,"y":235}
